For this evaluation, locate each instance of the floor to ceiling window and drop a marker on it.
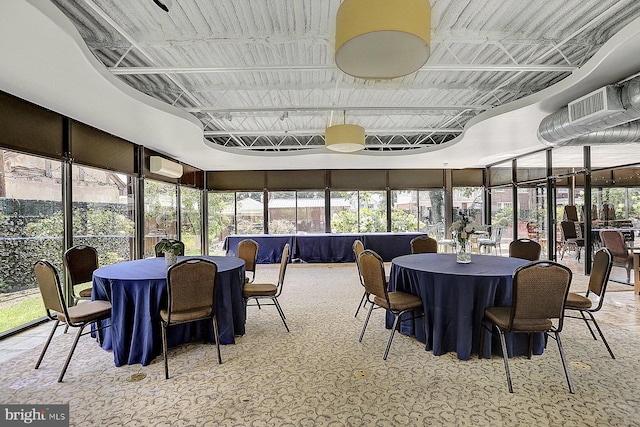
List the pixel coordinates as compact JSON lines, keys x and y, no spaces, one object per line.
{"x":221,"y":220}
{"x":404,"y":211}
{"x":31,"y":228}
{"x":310,"y":211}
{"x":282,"y":212}
{"x":160,"y":214}
{"x":190,"y":222}
{"x":103,"y":213}
{"x":373,"y":211}
{"x":344,"y":211}
{"x":249,"y":213}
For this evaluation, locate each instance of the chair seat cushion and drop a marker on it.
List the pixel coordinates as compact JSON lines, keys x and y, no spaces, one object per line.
{"x":186,"y":315}
{"x":399,"y":301}
{"x":486,"y":242}
{"x":87,"y":312}
{"x":85,"y":293}
{"x":578,"y":302}
{"x":499,"y":316}
{"x":257,"y":289}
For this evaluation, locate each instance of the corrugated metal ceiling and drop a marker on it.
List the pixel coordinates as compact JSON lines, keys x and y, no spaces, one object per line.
{"x":260,"y":74}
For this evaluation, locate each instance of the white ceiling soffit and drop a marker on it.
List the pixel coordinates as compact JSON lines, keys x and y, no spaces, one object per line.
{"x":243,"y":69}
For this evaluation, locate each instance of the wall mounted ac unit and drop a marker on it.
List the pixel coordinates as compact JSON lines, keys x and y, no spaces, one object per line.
{"x":162,"y":166}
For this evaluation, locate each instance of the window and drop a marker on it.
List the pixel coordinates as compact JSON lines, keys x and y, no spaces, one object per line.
{"x":310,"y":212}
{"x":404,"y":211}
{"x":31,"y":225}
{"x":103,"y":213}
{"x":282,"y":212}
{"x":344,"y":211}
{"x":190,"y":223}
{"x":222,"y":220}
{"x":160,"y":213}
{"x":249,"y":213}
{"x":373,"y":211}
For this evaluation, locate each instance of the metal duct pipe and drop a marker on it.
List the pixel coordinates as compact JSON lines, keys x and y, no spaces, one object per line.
{"x":623,"y":134}
{"x":556,"y":129}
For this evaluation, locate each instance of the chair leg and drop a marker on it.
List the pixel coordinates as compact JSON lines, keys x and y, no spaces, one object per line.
{"x":482,"y":332}
{"x":73,"y":348}
{"x":564,"y":249}
{"x":564,"y":363}
{"x":365,"y":322}
{"x":164,"y":351}
{"x":606,"y":344}
{"x":362,"y":301}
{"x":530,"y":345}
{"x":214,"y":321}
{"x":505,"y":358}
{"x":46,"y":346}
{"x":275,"y":301}
{"x":393,"y":331}
{"x":586,"y":321}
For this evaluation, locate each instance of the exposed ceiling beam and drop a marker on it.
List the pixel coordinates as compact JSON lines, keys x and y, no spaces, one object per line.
{"x":386,"y":109}
{"x":311,"y":68}
{"x":275,"y":132}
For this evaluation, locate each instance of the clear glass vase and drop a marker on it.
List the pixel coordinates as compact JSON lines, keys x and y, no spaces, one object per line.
{"x":463,"y":251}
{"x":170,"y":258}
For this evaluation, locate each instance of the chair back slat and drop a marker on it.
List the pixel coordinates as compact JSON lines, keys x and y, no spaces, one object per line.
{"x":49,"y":285}
{"x":191,"y":285}
{"x":424,"y":245}
{"x":373,"y":274}
{"x":600,"y":271}
{"x":283,"y":266}
{"x":539,"y":291}
{"x":81,"y":261}
{"x":248,"y":252}
{"x":525,"y":249}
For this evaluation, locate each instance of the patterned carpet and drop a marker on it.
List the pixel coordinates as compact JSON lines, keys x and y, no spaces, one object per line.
{"x":320,"y":375}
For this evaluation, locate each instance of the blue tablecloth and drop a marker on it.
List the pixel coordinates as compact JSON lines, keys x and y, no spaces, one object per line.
{"x":454,"y":297}
{"x":138,"y":289}
{"x":324,"y":247}
{"x":270,"y":246}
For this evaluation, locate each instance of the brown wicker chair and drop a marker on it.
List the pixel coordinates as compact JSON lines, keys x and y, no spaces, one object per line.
{"x":77,"y":316}
{"x":81,"y":261}
{"x":191,"y":295}
{"x":622,"y":255}
{"x":261,"y":291}
{"x":358,"y":247}
{"x":539,"y":293}
{"x":602,"y":263}
{"x":424,"y":245}
{"x":525,"y":248}
{"x":248,"y":252}
{"x":375,"y":284}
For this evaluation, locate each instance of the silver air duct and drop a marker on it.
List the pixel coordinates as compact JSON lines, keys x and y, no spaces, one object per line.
{"x":602,"y":117}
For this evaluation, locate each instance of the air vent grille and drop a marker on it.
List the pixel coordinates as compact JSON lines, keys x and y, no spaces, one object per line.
{"x":597,"y":104}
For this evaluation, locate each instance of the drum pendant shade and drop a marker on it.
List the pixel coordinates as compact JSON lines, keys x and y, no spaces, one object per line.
{"x":382,"y":39}
{"x":344,"y":138}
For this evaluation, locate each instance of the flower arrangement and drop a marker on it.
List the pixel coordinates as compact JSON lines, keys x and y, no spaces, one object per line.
{"x":464,"y":227}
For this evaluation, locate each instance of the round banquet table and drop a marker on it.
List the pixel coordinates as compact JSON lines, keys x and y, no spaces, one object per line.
{"x":138,"y":289}
{"x":454,"y":298}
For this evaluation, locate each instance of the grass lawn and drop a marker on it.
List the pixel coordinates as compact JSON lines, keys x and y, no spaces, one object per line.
{"x":22,"y":311}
